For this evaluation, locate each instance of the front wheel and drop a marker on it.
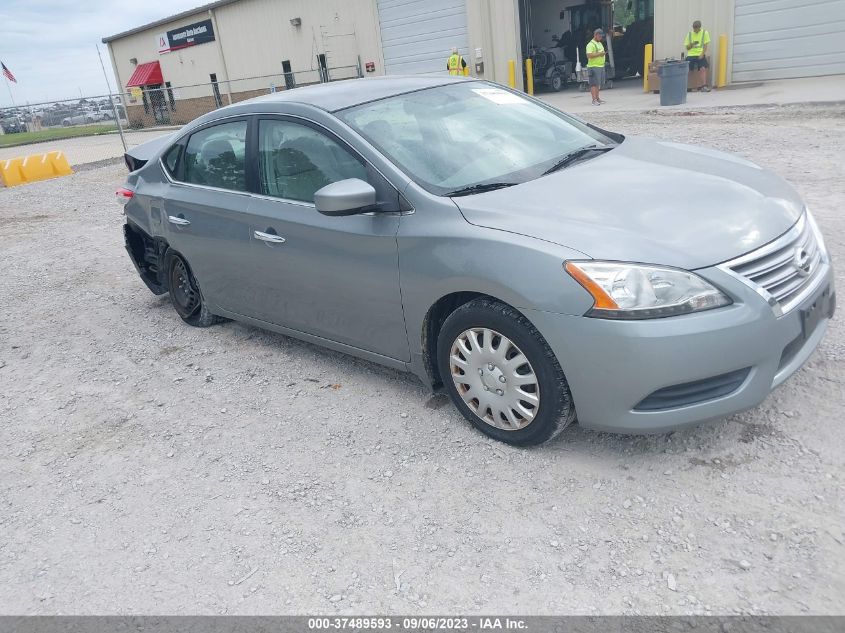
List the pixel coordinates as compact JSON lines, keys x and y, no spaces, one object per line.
{"x":185,"y":294}
{"x":557,"y":81}
{"x":501,"y":374}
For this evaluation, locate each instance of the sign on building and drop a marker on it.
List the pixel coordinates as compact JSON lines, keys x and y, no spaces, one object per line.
{"x":191,"y":35}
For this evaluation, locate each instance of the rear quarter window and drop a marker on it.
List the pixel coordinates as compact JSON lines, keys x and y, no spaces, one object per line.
{"x":171,"y":159}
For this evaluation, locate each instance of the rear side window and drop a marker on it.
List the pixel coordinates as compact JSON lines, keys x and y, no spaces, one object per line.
{"x":215,"y":157}
{"x":296,"y":160}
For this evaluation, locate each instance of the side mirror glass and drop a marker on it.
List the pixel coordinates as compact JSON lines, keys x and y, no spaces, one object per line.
{"x":345,"y":197}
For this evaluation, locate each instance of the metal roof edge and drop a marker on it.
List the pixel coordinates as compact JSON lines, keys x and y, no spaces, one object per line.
{"x":171,"y":18}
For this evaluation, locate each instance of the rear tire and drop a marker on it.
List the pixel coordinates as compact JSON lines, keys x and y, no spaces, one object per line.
{"x":185,"y":292}
{"x":491,"y":371}
{"x":557,"y":81}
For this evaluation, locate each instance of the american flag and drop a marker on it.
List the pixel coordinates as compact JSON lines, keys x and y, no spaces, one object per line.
{"x":8,"y":73}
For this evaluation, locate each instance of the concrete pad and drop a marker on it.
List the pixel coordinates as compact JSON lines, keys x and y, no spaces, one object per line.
{"x":628,"y":95}
{"x":85,"y":149}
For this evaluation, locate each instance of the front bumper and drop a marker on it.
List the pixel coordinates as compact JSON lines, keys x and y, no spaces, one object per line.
{"x":612,"y":366}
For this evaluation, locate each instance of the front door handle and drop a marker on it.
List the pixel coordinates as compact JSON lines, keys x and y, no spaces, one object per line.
{"x":269,"y":237}
{"x":178,"y":221}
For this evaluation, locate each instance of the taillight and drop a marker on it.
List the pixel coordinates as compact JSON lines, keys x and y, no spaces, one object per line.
{"x":123,"y":195}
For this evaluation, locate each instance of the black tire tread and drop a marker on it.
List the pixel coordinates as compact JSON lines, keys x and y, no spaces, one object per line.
{"x":202,"y":317}
{"x":564,"y":412}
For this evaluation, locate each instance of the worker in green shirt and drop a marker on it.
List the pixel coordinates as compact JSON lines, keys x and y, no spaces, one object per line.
{"x":595,"y":65}
{"x":696,"y":43}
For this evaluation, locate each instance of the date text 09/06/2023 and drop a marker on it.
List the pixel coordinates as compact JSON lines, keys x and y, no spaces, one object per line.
{"x":428,"y":623}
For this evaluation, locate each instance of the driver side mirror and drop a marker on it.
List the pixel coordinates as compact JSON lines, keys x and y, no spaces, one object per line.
{"x":345,"y":197}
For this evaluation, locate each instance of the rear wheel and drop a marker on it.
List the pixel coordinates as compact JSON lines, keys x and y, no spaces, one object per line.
{"x":501,"y":374}
{"x":557,"y":81}
{"x":185,"y":294}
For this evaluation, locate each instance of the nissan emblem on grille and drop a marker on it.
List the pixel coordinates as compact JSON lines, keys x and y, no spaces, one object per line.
{"x":802,"y":261}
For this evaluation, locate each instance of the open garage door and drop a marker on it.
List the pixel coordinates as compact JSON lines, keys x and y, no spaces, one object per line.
{"x":417,"y":36}
{"x":781,"y":39}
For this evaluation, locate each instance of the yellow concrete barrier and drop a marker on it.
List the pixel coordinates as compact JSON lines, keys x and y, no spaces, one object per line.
{"x":17,"y":171}
{"x":59,"y":162}
{"x":10,"y":172}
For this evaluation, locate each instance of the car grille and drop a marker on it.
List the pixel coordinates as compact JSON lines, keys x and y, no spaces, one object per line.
{"x":783,"y":268}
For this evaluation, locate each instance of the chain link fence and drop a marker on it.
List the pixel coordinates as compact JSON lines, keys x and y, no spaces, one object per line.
{"x":98,"y":129}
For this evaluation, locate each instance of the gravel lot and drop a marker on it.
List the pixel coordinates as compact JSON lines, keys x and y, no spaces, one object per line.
{"x":153,"y":468}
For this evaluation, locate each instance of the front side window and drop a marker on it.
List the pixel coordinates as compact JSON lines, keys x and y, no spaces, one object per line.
{"x":215,"y":157}
{"x":460,"y":135}
{"x":295,"y":160}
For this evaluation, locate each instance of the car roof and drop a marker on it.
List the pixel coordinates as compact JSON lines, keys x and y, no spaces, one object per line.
{"x":337,"y":95}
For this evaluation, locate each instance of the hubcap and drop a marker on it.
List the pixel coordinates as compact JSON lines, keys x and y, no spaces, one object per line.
{"x":187,"y":299}
{"x":495,"y":379}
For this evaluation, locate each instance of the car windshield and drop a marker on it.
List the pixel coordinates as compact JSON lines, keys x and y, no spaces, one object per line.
{"x":465,"y":136}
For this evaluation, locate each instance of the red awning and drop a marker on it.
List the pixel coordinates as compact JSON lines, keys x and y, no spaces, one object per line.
{"x":146,"y":75}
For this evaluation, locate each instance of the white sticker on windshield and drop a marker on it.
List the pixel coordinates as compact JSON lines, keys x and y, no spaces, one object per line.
{"x":497,"y":95}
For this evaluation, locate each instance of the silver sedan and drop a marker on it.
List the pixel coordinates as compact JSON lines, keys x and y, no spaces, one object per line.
{"x":536,"y":267}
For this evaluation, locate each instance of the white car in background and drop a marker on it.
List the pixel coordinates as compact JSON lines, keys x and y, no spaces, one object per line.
{"x":89,"y":115}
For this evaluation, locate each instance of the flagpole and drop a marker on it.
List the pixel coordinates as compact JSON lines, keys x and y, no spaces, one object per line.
{"x":9,"y":88}
{"x":111,"y":100}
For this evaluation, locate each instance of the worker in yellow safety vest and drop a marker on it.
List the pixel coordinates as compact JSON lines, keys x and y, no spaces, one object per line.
{"x":455,"y":64}
{"x":696,"y":43}
{"x":595,"y":66}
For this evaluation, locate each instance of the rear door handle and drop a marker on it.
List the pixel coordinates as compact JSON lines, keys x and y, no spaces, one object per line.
{"x":178,"y":221}
{"x":269,"y":237}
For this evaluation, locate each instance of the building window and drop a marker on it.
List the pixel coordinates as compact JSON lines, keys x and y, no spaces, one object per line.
{"x":170,"y":95}
{"x":290,"y":82}
{"x":145,"y":100}
{"x":216,"y":89}
{"x":324,"y":71}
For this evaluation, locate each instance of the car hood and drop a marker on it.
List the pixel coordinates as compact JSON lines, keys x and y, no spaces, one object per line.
{"x":647,"y":201}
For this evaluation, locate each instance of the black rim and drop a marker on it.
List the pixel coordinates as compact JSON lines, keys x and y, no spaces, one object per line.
{"x":185,"y":296}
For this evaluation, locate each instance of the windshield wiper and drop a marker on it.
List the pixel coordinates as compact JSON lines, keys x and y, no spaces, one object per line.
{"x":571,"y":157}
{"x":479,"y":188}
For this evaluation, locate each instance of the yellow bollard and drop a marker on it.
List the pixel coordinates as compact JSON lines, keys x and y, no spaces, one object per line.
{"x":722,"y":80}
{"x":512,"y":73}
{"x":529,"y":76}
{"x":648,"y":55}
{"x":466,"y":71}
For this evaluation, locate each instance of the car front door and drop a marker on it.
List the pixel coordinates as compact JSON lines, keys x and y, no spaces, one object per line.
{"x":332,"y":277}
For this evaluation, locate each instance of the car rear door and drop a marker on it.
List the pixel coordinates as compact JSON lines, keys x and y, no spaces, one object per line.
{"x":332,"y":277}
{"x":206,"y":203}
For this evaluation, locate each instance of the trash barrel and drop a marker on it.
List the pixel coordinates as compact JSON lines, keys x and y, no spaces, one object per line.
{"x":673,"y":82}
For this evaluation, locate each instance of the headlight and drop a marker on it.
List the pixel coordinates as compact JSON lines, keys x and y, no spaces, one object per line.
{"x":636,"y":291}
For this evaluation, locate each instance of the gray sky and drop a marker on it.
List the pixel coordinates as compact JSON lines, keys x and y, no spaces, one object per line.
{"x":49,"y":45}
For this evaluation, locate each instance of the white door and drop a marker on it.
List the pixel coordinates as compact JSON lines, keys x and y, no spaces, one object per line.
{"x":417,"y":36}
{"x":780,"y":39}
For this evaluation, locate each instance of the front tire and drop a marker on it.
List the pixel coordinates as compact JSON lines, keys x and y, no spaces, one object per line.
{"x":185,"y":293}
{"x":502,"y":375}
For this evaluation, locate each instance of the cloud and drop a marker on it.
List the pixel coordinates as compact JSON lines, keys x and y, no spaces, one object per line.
{"x":49,"y":45}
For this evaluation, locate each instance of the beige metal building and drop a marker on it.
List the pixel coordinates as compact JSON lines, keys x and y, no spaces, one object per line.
{"x":234,"y":49}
